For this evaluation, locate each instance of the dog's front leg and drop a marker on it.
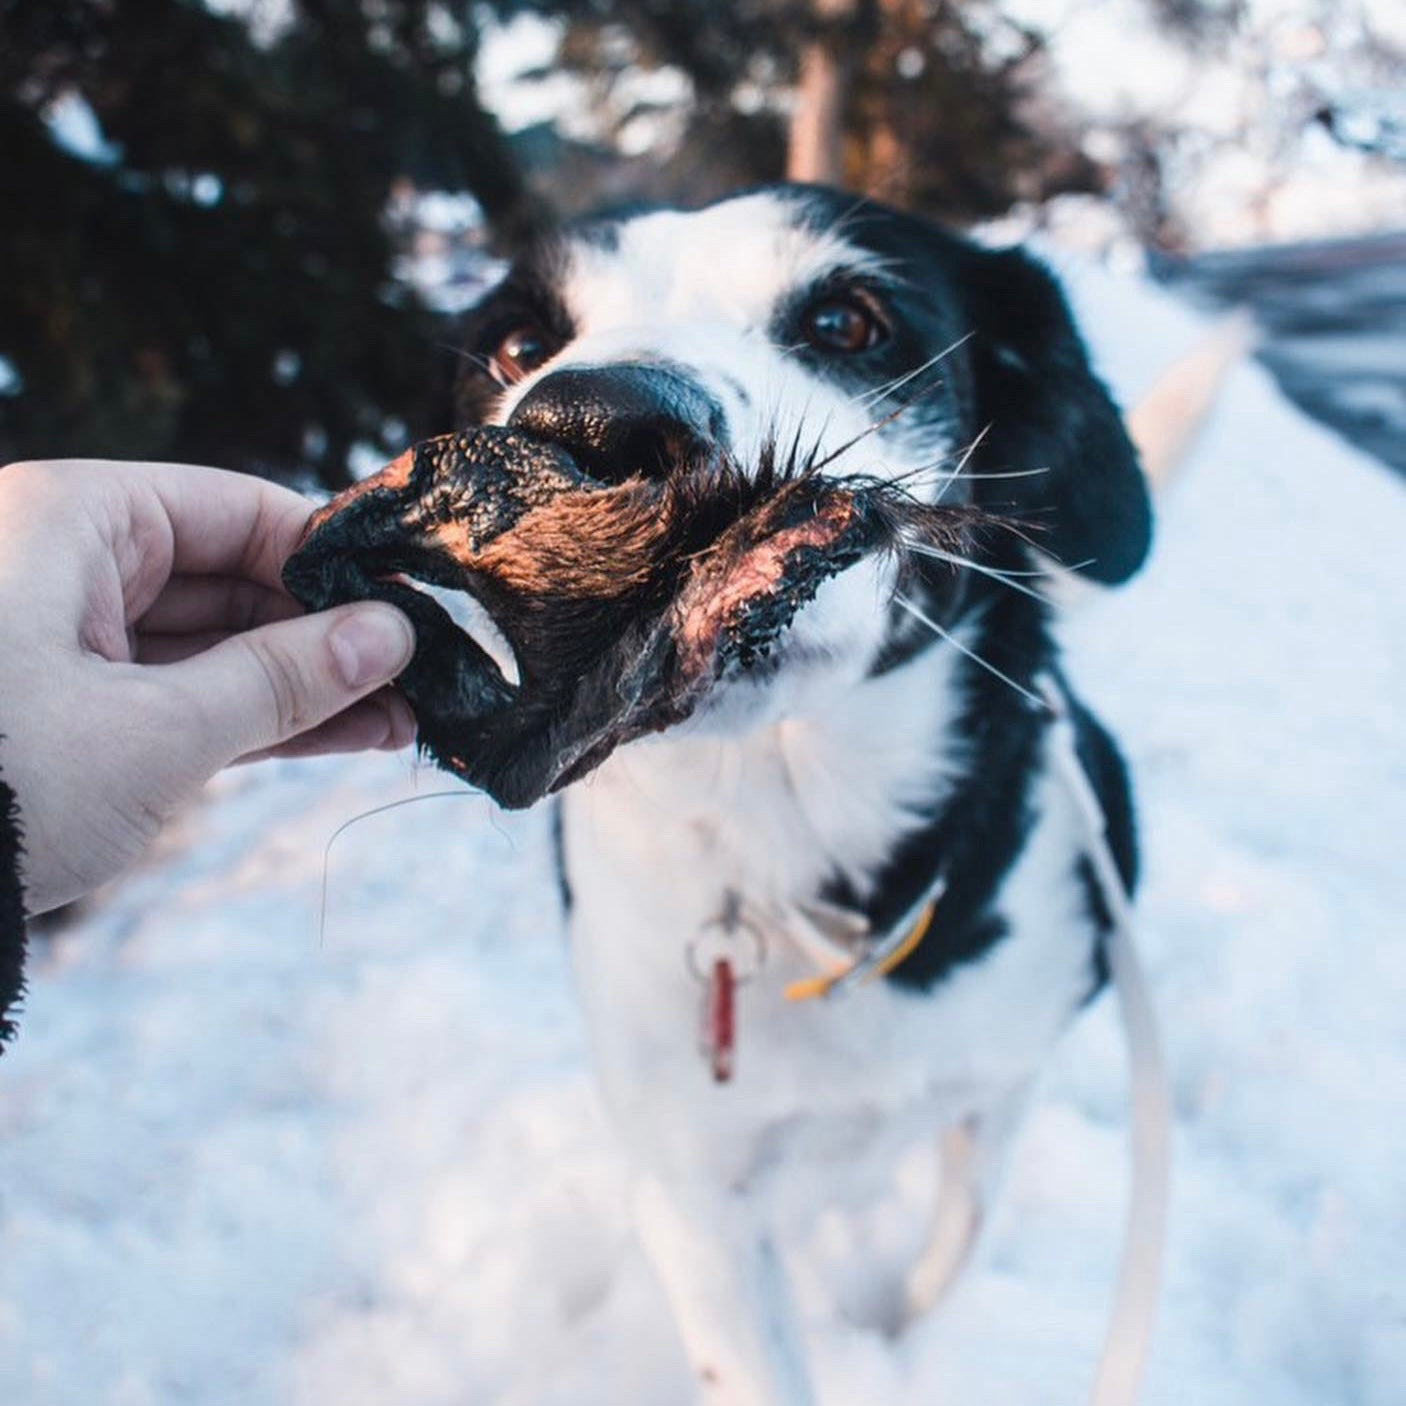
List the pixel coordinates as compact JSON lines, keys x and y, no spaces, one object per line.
{"x":727,"y":1287}
{"x":973,"y":1156}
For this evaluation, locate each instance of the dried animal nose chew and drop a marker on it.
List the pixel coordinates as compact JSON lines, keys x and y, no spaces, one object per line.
{"x":624,"y":603}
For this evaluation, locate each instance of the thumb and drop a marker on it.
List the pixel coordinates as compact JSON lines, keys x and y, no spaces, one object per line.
{"x":261,"y":688}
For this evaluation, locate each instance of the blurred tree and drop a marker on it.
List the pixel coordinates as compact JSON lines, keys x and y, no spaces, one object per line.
{"x":736,"y":63}
{"x":208,"y":271}
{"x":209,"y":276}
{"x":828,"y":59}
{"x":948,"y":112}
{"x":926,"y":102}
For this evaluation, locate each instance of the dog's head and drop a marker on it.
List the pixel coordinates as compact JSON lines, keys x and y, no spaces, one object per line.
{"x":723,"y":379}
{"x":799,"y":321}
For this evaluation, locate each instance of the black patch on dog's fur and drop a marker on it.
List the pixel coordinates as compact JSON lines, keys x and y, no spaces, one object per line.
{"x":1047,"y":410}
{"x":1108,"y":775}
{"x":976,"y":835}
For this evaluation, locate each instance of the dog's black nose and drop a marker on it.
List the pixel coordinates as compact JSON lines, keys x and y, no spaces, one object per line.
{"x":619,"y":421}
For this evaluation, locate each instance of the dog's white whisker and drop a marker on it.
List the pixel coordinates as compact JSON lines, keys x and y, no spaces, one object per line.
{"x":917,"y":544}
{"x":929,"y":477}
{"x":883,"y":392}
{"x":885,"y":388}
{"x":973,"y":478}
{"x":473,"y":358}
{"x":859,"y":438}
{"x":922,"y":617}
{"x":923,"y":550}
{"x":964,"y":460}
{"x":935,"y":472}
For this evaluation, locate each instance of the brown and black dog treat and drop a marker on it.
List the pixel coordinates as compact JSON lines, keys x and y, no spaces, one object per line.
{"x":624,"y":603}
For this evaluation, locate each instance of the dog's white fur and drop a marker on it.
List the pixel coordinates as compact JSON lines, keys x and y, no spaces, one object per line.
{"x":778,"y":787}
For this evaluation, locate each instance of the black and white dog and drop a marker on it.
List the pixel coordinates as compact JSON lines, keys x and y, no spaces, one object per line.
{"x":890,"y":756}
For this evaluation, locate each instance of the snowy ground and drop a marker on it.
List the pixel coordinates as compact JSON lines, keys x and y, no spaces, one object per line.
{"x":240,"y":1165}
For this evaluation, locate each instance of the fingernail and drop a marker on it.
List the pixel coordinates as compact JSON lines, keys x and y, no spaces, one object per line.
{"x":371,"y":644}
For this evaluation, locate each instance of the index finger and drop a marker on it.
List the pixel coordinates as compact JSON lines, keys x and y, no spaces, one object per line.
{"x":229,"y":524}
{"x":94,"y":531}
{"x":163,"y":519}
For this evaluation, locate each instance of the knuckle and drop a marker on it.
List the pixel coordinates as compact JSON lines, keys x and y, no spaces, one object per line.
{"x":27,"y":468}
{"x":29,"y":478}
{"x":287,"y":685}
{"x":43,"y":490}
{"x":40,"y":473}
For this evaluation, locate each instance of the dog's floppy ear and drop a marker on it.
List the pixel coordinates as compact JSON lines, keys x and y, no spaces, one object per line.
{"x":1086,"y":498}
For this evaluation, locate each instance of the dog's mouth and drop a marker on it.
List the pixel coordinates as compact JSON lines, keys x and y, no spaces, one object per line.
{"x":558,"y":616}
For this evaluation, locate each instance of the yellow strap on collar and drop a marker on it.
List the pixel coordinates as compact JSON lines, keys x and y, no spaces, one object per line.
{"x":816,"y":986}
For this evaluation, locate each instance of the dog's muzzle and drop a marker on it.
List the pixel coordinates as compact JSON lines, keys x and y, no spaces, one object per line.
{"x":624,"y":602}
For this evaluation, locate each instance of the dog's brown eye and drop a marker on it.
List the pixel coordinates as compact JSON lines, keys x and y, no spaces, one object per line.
{"x":842,"y":325}
{"x":520,"y":353}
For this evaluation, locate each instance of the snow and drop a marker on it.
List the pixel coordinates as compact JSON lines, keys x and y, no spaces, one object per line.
{"x":1231,"y":108}
{"x":519,"y":82}
{"x":637,"y":107}
{"x":268,"y":20}
{"x":74,"y":127}
{"x":240,"y":1163}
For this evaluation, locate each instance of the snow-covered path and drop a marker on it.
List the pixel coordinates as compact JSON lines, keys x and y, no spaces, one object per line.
{"x":240,"y":1166}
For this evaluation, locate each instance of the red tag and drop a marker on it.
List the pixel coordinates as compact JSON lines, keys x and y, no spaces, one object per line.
{"x":720,"y":1020}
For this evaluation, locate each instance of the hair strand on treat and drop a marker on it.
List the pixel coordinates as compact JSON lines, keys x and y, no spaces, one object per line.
{"x":458,"y":794}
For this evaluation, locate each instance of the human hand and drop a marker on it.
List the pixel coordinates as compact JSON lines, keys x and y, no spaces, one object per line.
{"x":146,"y":641}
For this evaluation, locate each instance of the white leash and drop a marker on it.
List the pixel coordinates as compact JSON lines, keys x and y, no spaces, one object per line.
{"x":1129,"y":1340}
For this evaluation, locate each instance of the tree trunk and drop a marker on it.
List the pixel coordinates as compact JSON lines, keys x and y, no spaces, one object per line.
{"x":817,"y":137}
{"x":888,"y":158}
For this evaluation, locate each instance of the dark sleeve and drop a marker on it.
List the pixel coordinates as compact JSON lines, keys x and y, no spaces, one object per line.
{"x":12,"y":941}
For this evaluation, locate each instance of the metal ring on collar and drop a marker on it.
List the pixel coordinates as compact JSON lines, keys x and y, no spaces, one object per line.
{"x":734,"y":938}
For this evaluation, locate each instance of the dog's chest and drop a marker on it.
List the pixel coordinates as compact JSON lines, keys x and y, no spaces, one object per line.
{"x":661,"y":837}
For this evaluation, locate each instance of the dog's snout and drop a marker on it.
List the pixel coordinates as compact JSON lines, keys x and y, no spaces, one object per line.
{"x":619,"y":421}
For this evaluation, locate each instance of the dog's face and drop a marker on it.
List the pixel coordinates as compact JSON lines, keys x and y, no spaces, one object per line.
{"x":725,"y":452}
{"x":798,"y":324}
